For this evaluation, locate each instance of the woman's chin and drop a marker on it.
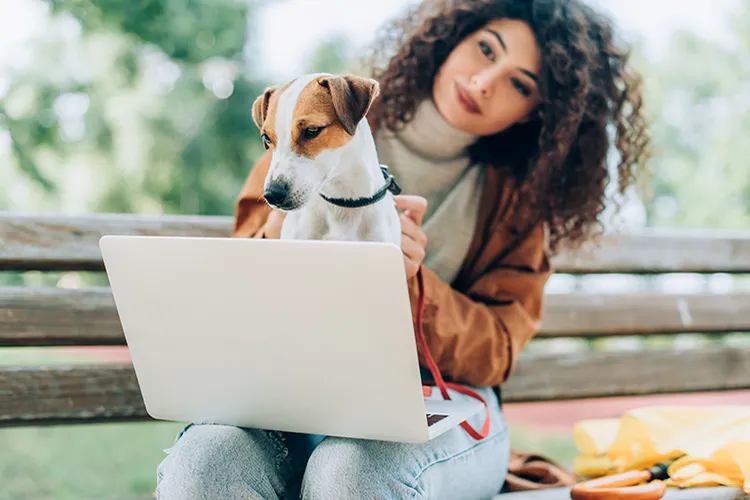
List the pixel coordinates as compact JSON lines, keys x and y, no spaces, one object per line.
{"x":468,"y":123}
{"x":456,"y":116}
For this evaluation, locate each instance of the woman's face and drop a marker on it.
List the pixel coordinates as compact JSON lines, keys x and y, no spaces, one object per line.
{"x":490,"y":80}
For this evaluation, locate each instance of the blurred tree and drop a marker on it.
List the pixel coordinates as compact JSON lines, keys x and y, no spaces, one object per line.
{"x":134,"y":106}
{"x":331,"y":56}
{"x":700,"y":96}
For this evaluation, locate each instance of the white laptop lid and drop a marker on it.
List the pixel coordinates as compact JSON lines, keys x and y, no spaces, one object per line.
{"x":311,"y":336}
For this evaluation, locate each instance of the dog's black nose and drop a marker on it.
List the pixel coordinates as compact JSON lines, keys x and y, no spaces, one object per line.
{"x":277,"y":192}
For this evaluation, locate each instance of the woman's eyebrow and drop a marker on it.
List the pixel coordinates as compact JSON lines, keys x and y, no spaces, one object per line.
{"x":500,"y":40}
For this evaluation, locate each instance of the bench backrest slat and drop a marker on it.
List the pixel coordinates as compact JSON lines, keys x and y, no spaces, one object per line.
{"x":58,"y":316}
{"x":652,"y":251}
{"x":47,"y":243}
{"x":58,"y":394}
{"x":589,"y":314}
{"x":41,"y":242}
{"x":604,"y":374}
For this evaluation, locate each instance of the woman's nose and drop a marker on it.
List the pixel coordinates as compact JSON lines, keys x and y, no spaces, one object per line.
{"x":486,"y":80}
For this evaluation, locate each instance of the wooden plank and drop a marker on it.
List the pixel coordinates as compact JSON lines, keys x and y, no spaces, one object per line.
{"x":58,"y":316}
{"x":60,"y":242}
{"x":62,"y":393}
{"x":604,"y":374}
{"x":582,"y":314}
{"x":662,"y":251}
{"x":46,"y":242}
{"x":80,"y":393}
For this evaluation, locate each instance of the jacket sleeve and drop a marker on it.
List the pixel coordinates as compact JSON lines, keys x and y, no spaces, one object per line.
{"x":475,"y":337}
{"x":253,"y":217}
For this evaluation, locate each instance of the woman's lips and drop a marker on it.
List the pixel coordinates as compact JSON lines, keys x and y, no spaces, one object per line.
{"x":465,"y":100}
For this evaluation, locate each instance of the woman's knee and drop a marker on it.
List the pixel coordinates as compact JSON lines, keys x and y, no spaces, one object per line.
{"x":451,"y":466}
{"x":349,"y":468}
{"x":213,"y":461}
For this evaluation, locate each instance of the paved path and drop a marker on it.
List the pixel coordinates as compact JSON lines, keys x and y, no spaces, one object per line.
{"x":672,"y":494}
{"x":561,"y":415}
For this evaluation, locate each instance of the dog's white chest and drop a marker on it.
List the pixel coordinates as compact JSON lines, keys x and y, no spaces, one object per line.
{"x":319,"y":220}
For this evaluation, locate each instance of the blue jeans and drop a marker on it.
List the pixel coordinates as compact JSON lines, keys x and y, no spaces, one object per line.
{"x":223,"y":462}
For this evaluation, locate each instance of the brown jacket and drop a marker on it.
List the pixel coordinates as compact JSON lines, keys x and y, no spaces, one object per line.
{"x":476,"y":327}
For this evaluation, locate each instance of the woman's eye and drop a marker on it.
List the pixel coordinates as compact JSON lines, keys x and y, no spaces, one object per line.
{"x":486,"y":50}
{"x":521,"y":87}
{"x":311,"y":132}
{"x":266,"y":141}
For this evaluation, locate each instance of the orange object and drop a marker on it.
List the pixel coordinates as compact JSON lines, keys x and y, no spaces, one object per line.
{"x":625,"y":486}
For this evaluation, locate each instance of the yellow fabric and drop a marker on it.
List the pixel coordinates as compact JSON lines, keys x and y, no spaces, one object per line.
{"x":710,"y":444}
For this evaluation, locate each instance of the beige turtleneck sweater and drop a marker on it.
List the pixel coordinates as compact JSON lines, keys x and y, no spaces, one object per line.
{"x":429,"y":158}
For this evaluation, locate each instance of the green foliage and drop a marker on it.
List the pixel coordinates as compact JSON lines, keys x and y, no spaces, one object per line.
{"x":107,"y":461}
{"x":188,"y":31}
{"x":700,"y":104}
{"x":331,"y":56}
{"x":135,"y":106}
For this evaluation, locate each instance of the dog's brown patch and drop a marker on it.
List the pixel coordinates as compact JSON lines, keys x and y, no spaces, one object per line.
{"x":266,"y":111}
{"x":315,"y":108}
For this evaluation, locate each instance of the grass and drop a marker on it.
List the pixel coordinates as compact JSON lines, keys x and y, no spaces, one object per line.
{"x":118,"y":461}
{"x":82,"y":462}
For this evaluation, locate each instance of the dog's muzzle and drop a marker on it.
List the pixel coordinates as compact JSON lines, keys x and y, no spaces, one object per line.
{"x":278,"y":194}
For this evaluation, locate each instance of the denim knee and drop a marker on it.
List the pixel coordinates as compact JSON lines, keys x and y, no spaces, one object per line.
{"x":215,"y":461}
{"x":349,"y":468}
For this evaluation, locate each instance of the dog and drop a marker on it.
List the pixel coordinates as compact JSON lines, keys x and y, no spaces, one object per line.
{"x":324,"y":171}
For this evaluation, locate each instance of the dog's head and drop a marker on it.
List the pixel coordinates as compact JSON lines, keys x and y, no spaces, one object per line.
{"x":308,"y":124}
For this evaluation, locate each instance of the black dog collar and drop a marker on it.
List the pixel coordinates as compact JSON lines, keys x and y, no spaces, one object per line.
{"x":390,"y":185}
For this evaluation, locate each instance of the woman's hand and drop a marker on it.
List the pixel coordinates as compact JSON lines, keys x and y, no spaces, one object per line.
{"x":413,"y":239}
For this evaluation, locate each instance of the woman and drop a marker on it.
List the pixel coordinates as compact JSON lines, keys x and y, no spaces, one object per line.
{"x":494,"y":116}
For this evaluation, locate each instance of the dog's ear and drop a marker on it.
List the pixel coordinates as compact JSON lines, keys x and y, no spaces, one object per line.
{"x":260,"y":106}
{"x":352,"y":97}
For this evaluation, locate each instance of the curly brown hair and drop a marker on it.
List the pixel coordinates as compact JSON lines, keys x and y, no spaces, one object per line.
{"x":587,"y":95}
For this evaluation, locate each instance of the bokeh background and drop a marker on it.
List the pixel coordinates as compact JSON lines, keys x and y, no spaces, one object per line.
{"x":144,"y":106}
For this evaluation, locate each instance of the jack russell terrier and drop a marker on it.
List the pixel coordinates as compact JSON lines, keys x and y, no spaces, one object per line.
{"x":324,"y":172}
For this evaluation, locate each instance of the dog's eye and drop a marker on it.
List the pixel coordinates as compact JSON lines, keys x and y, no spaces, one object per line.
{"x":266,"y":141}
{"x":311,"y":132}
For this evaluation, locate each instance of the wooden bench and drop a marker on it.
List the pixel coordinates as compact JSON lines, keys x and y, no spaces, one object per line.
{"x":57,"y":316}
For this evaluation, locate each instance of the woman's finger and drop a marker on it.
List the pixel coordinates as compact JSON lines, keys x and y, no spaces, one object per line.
{"x":415,"y":206}
{"x":410,"y":228}
{"x":412,"y":249}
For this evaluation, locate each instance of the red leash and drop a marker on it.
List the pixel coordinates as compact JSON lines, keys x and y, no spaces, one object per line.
{"x":439,"y":378}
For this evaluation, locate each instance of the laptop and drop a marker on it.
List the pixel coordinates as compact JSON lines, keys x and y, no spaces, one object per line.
{"x":300,"y":336}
